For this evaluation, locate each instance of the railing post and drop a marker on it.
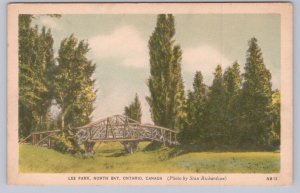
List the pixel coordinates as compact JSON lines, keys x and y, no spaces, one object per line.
{"x":163,"y":136}
{"x":49,"y":142}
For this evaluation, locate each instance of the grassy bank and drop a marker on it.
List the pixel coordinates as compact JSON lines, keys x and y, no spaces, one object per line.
{"x":109,"y":158}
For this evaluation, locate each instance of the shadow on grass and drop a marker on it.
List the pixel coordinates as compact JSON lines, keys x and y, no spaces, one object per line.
{"x":117,"y":154}
{"x":153,"y":146}
{"x":167,"y":152}
{"x":191,"y":148}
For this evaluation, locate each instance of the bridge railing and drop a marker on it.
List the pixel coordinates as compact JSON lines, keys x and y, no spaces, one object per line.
{"x":42,"y":138}
{"x":115,"y":128}
{"x":112,"y":130}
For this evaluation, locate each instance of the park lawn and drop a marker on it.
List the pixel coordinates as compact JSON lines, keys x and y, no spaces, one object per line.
{"x":109,"y":158}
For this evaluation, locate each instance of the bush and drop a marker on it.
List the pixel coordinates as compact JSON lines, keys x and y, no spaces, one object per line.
{"x":274,"y":139}
{"x":66,"y":143}
{"x":154,"y":145}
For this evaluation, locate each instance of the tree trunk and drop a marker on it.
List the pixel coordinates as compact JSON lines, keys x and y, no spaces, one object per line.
{"x":89,"y":148}
{"x":130,"y":146}
{"x":62,"y":121}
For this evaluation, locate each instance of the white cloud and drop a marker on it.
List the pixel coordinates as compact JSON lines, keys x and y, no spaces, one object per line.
{"x":112,"y":103}
{"x":49,"y":22}
{"x":204,"y":58}
{"x":124,"y":44}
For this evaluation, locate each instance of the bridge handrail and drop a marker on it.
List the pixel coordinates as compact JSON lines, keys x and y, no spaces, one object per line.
{"x":133,"y":124}
{"x":104,"y":119}
{"x":158,"y":127}
{"x":43,"y":132}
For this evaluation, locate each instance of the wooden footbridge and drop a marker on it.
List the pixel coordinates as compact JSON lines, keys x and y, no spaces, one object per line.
{"x":117,"y":128}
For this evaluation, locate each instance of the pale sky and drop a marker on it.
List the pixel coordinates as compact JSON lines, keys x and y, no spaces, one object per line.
{"x":119,"y":48}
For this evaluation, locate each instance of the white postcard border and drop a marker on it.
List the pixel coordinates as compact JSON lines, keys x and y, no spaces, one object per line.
{"x":283,"y":178}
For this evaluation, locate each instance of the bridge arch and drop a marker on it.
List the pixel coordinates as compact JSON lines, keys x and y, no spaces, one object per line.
{"x":116,"y":128}
{"x":124,"y":130}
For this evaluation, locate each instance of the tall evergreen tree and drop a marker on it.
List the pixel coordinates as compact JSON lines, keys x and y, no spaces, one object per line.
{"x":232,"y":83}
{"x":196,"y":101}
{"x":167,"y":99}
{"x":134,"y":110}
{"x":256,"y":98}
{"x":215,"y":110}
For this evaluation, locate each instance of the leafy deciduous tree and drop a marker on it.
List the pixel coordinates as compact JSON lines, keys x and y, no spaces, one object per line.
{"x":36,"y":64}
{"x":73,"y":83}
{"x":275,"y":116}
{"x":74,"y":92}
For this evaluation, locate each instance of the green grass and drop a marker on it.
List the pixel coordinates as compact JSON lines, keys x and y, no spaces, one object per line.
{"x":110,"y":158}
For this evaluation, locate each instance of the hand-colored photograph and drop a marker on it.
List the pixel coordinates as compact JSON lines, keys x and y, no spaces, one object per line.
{"x":149,"y":93}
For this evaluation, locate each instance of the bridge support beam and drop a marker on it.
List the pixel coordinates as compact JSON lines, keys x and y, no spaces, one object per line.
{"x":130,"y":146}
{"x":88,"y":146}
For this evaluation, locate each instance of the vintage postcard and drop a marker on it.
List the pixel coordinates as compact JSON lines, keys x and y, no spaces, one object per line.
{"x":185,"y":94}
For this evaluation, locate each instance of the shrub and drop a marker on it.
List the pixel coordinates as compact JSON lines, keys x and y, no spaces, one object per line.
{"x":66,"y":143}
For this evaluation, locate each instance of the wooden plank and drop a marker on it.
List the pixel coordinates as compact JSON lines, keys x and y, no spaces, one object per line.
{"x":116,"y":140}
{"x":44,"y":138}
{"x":107,"y":121}
{"x":49,"y":142}
{"x":49,"y":131}
{"x":24,"y":140}
{"x":111,"y":128}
